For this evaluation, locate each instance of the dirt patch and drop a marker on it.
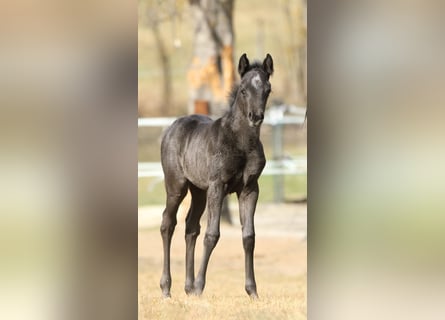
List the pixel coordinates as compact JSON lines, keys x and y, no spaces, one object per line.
{"x":280,"y":267}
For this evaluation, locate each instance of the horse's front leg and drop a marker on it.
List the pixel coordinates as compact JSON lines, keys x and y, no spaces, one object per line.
{"x":247,"y":199}
{"x":215,"y":196}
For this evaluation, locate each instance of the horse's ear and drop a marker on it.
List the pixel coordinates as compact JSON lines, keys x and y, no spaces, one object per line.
{"x":243,"y":65}
{"x":268,"y":64}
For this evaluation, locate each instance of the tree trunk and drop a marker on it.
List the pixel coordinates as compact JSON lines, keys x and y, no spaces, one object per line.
{"x":166,"y":74}
{"x":212,"y":72}
{"x":295,"y":14}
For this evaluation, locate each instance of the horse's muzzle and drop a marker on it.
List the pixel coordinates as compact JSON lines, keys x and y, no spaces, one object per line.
{"x":255,"y":119}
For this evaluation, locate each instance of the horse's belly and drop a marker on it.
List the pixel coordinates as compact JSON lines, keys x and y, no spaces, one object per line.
{"x":199,"y":183}
{"x":196,"y":172}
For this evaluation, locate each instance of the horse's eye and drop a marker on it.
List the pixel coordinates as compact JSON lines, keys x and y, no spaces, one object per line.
{"x":243,"y":92}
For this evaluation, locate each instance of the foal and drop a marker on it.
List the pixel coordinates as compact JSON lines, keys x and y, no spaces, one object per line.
{"x":212,"y":159}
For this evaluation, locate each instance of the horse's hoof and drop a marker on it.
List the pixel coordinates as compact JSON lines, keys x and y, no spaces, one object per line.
{"x":165,"y":286}
{"x":251,"y":291}
{"x":166,"y":292}
{"x":166,"y":295}
{"x":197,"y":292}
{"x":254,"y":296}
{"x":198,"y":287}
{"x":189,"y":289}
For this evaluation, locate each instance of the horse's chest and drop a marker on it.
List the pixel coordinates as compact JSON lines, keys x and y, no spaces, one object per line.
{"x":253,"y":168}
{"x":239,"y":170}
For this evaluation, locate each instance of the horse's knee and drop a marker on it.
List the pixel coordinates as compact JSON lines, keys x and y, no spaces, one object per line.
{"x":211,"y":240}
{"x":191,"y":236}
{"x":249,"y":242}
{"x":192,"y":230}
{"x":168,"y":226}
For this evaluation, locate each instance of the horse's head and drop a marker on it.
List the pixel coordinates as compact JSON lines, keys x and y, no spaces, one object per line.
{"x":254,"y":88}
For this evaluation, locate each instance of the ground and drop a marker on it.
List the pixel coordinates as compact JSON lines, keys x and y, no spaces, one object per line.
{"x":280,"y":268}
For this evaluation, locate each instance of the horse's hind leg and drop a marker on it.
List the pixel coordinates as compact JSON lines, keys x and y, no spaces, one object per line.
{"x":175,"y":194}
{"x":192,"y":229}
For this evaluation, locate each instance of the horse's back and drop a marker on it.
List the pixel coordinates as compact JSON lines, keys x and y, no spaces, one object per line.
{"x":186,"y":137}
{"x":183,"y":127}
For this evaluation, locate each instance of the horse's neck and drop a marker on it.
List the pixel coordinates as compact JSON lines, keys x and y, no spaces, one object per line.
{"x":242,"y":133}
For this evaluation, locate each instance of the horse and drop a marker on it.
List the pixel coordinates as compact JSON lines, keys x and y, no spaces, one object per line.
{"x":213,"y":158}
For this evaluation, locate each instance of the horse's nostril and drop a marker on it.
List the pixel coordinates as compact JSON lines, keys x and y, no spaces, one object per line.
{"x":255,"y":117}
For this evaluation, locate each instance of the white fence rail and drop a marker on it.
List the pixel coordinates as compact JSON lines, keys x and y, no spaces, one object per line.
{"x":273,"y":167}
{"x":275,"y":117}
{"x":268,"y":120}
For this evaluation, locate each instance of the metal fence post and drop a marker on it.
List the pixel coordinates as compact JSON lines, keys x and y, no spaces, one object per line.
{"x":277,"y":114}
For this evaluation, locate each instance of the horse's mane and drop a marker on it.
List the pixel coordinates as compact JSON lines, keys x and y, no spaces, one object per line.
{"x":255,"y":65}
{"x":232,"y":94}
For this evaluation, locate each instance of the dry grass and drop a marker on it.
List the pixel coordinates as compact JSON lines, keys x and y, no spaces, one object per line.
{"x":280,"y":267}
{"x":271,"y":306}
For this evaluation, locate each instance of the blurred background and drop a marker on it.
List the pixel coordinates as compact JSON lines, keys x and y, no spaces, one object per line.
{"x":173,"y":34}
{"x":69,"y":158}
